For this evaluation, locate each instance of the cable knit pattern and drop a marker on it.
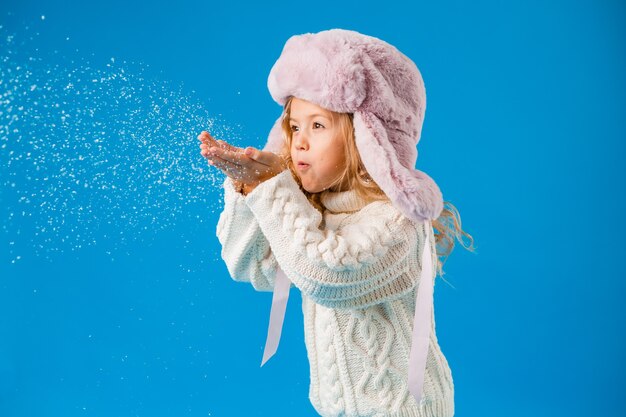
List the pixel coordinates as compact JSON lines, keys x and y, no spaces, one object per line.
{"x":332,"y":398}
{"x":358,"y":268}
{"x":372,"y":353}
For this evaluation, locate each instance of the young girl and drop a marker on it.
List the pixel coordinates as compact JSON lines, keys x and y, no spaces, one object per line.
{"x":334,"y":206}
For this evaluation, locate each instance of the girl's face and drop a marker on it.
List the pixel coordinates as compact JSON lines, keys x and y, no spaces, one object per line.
{"x":317,"y":150}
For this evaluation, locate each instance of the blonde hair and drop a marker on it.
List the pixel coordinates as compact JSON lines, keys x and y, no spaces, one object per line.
{"x":355,"y":177}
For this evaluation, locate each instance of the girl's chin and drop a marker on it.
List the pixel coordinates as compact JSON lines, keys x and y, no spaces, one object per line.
{"x":314,"y":190}
{"x":309,"y":188}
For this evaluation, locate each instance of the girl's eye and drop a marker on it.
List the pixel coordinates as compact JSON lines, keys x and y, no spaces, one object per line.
{"x":294,"y":128}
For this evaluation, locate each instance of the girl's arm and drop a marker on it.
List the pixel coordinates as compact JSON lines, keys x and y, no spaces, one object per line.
{"x":360,"y":264}
{"x":245,"y":250}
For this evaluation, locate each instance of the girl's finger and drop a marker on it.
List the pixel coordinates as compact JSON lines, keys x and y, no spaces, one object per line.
{"x":225,"y":171}
{"x":206,"y":138}
{"x":262,"y":157}
{"x":235,"y":157}
{"x":228,"y":147}
{"x":227,"y":167}
{"x":204,"y":135}
{"x":240,"y":158}
{"x":204,"y":150}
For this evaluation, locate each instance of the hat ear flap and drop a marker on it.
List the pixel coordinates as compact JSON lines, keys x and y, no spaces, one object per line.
{"x":275,"y":138}
{"x":422,"y":196}
{"x":412,"y":191}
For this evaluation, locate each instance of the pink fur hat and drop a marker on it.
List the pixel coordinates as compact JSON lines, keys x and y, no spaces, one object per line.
{"x":348,"y":72}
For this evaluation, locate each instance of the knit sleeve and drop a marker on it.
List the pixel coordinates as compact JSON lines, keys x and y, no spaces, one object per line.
{"x":367,"y":261}
{"x":245,"y":250}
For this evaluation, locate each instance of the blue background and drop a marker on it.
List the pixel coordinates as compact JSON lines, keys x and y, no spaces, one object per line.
{"x":524,"y":133}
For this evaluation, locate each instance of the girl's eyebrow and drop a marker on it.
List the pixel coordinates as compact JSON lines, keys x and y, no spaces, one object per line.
{"x":311,"y":116}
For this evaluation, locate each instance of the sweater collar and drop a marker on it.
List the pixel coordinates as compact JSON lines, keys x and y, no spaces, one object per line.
{"x":343,"y":201}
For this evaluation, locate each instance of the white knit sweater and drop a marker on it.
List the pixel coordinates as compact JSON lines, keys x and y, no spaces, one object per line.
{"x":357,"y":267}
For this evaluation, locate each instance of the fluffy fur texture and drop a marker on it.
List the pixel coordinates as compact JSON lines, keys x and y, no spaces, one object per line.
{"x":348,"y":72}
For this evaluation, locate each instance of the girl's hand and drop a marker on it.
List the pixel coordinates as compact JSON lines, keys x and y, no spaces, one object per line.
{"x":249,"y":166}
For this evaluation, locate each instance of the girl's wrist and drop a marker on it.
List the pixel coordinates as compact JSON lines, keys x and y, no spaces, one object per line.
{"x":247,"y":188}
{"x":243,"y":188}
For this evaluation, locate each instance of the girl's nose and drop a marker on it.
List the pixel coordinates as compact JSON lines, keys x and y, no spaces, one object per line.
{"x":301,"y":141}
